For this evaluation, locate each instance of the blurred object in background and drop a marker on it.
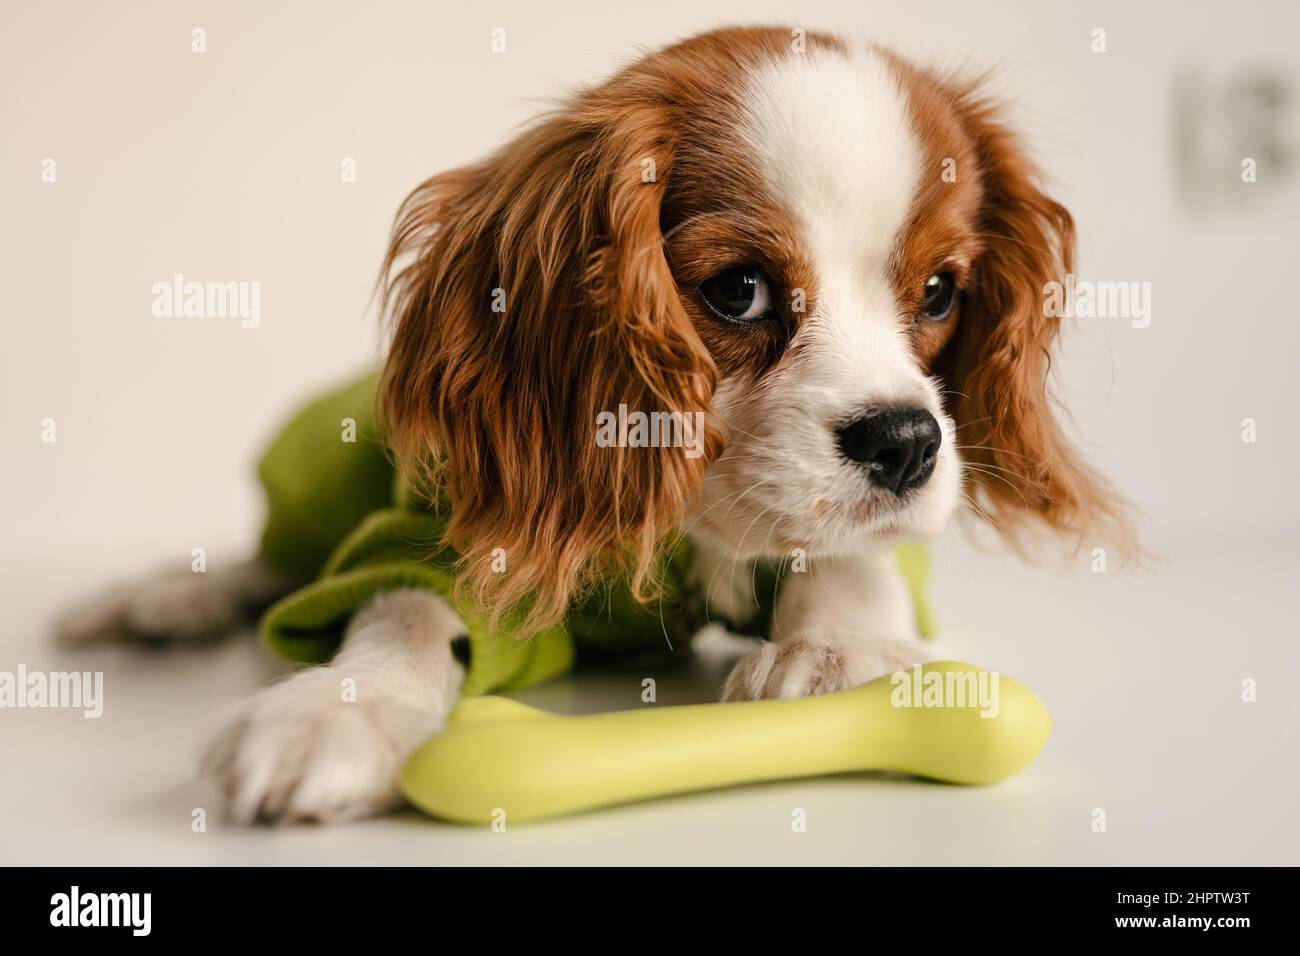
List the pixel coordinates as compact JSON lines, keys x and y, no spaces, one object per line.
{"x":1235,"y":144}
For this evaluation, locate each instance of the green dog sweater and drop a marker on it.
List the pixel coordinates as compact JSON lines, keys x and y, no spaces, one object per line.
{"x":340,"y":522}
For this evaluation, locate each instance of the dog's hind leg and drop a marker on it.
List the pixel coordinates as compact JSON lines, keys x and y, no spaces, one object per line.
{"x":174,"y":605}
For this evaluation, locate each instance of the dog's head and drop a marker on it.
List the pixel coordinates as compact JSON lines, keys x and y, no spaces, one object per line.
{"x":837,"y":259}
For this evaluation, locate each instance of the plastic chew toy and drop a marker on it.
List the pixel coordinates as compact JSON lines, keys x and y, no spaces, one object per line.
{"x":499,"y":753}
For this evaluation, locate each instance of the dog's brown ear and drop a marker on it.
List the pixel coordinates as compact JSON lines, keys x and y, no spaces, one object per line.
{"x":997,"y":365}
{"x":531,"y":293}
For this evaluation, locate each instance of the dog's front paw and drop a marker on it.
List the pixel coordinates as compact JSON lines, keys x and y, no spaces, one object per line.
{"x":804,"y":665}
{"x":318,"y":748}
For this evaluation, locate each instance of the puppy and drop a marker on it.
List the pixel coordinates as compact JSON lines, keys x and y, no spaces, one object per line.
{"x":834,"y":258}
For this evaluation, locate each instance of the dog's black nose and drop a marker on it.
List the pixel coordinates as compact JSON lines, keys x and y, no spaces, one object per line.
{"x":896,"y":445}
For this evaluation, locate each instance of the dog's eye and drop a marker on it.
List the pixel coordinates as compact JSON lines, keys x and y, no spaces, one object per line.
{"x":740,"y":293}
{"x":940,"y":294}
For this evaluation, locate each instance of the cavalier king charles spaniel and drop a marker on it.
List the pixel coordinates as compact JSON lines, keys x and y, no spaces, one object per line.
{"x":835,"y":255}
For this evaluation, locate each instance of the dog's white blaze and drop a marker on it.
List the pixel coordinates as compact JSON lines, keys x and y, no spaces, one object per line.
{"x":833,"y":137}
{"x":836,"y":146}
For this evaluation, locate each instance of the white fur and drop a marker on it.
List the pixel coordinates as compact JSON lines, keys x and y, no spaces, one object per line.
{"x":311,"y":749}
{"x":820,"y":662}
{"x":844,"y":621}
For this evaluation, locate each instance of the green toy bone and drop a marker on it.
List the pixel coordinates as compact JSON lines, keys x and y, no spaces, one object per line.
{"x":497,"y":754}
